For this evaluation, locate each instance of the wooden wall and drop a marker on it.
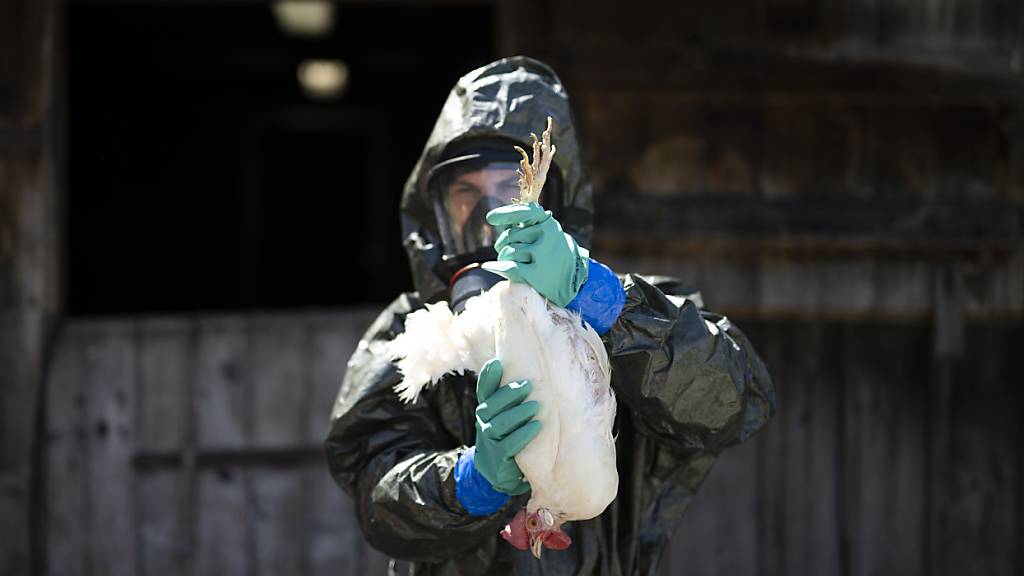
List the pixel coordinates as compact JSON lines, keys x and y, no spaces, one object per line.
{"x":875,"y":464}
{"x":799,"y":159}
{"x":192,"y":446}
{"x":29,"y":267}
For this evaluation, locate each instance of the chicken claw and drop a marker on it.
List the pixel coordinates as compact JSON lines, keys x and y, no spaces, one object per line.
{"x":532,"y":176}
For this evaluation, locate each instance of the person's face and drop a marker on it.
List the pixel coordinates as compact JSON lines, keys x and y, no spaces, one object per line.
{"x":465,"y":191}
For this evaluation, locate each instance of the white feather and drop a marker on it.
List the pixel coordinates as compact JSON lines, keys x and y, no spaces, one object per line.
{"x":571,"y":463}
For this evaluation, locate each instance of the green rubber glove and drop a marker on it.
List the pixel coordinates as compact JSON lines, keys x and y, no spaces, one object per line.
{"x":504,"y":426}
{"x":533,"y":249}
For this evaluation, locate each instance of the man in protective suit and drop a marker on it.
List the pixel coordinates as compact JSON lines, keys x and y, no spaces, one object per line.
{"x":435,"y":481}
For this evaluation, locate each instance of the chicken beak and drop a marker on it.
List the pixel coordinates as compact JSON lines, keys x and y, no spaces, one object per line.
{"x":536,"y":546}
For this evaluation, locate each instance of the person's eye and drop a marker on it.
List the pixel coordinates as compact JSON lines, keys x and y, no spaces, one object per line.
{"x":465,"y":191}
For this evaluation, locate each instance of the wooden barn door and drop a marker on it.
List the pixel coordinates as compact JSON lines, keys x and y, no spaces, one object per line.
{"x":193,"y":446}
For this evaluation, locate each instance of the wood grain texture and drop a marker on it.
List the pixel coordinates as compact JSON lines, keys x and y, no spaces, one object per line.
{"x":224,"y":536}
{"x":163,"y":539}
{"x":225,"y":542}
{"x":809,"y":454}
{"x":870,"y":467}
{"x":67,"y":515}
{"x":164,"y":498}
{"x":884,"y":450}
{"x":110,"y":374}
{"x":279,"y":380}
{"x":156,"y":433}
{"x":30,"y":274}
{"x":722,"y":520}
{"x":976,"y":474}
{"x":222,"y":374}
{"x":277,"y":504}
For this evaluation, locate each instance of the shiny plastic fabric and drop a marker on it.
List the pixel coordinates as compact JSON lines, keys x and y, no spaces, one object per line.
{"x":688,"y":385}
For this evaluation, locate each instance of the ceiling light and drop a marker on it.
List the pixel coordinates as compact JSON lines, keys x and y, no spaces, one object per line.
{"x":311,"y":18}
{"x":323,"y":79}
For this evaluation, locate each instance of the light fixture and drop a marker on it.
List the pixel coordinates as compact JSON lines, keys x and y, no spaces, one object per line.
{"x":323,"y":79}
{"x":310,"y":18}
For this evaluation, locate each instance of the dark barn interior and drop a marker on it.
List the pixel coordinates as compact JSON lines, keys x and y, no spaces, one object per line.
{"x":256,"y":185}
{"x":191,"y":245}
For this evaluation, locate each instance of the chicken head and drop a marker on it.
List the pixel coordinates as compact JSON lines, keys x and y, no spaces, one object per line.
{"x":535,"y":531}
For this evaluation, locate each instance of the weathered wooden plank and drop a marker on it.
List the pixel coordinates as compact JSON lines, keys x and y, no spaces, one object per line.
{"x":225,"y":543}
{"x":908,"y":223}
{"x":940,"y":29}
{"x":165,"y":366}
{"x":279,"y":381}
{"x":281,"y":405}
{"x":903,"y":287}
{"x":786,"y":285}
{"x":995,"y":289}
{"x":719,"y":533}
{"x":67,"y":459}
{"x":222,"y":396}
{"x":802,"y":469}
{"x":731,"y":158}
{"x":847,"y":286}
{"x":974,"y":520}
{"x":334,"y":541}
{"x":789,"y":137}
{"x":906,"y":155}
{"x":844,"y":160}
{"x":331,"y":342}
{"x":329,"y":545}
{"x":622,"y":145}
{"x":163,"y":420}
{"x":884,"y":449}
{"x":21,"y":373}
{"x":773,"y":345}
{"x":670,"y":165}
{"x":163,"y":539}
{"x":30,"y":268}
{"x":335,"y":544}
{"x":279,"y":500}
{"x":728,"y":284}
{"x":110,"y":374}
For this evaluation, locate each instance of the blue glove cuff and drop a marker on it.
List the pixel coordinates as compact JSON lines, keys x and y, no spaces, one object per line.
{"x":473,"y":490}
{"x":600,"y":299}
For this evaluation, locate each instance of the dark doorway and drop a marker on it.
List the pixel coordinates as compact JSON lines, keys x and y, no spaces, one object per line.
{"x":201,"y":177}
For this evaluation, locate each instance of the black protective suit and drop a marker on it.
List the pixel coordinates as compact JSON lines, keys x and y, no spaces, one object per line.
{"x":688,"y":384}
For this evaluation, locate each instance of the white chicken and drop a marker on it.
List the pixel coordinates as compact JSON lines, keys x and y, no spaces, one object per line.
{"x":570,"y":465}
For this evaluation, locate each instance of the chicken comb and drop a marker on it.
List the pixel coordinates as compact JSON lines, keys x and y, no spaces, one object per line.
{"x":532,"y":176}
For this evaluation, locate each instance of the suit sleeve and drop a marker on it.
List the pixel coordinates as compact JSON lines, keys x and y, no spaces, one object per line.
{"x":397,"y":461}
{"x":691,"y":378}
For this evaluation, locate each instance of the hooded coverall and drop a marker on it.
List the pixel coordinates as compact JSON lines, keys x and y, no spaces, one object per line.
{"x":688,"y":383}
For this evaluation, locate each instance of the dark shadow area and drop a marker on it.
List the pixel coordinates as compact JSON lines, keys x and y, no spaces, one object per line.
{"x":201,"y":177}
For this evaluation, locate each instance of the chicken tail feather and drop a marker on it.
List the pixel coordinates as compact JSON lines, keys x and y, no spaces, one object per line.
{"x":426,"y":350}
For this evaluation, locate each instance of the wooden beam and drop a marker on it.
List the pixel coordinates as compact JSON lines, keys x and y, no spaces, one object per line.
{"x":29,"y":277}
{"x":285,"y":457}
{"x":806,"y":228}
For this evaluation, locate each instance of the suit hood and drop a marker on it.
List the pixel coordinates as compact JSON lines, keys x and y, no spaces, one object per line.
{"x":506,"y":99}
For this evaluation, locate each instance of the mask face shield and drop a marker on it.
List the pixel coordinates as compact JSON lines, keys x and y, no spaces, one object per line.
{"x":463,"y":197}
{"x":465,"y":188}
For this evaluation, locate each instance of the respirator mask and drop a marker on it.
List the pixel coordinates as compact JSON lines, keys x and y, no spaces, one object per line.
{"x":472,"y":179}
